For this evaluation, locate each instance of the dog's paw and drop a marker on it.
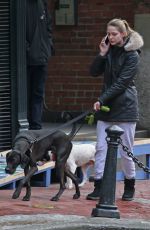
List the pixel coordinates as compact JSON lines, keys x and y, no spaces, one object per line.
{"x":76,"y":196}
{"x":26,"y":198}
{"x":55,"y":198}
{"x":15,"y":195}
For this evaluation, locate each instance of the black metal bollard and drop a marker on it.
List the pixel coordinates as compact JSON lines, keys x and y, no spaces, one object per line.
{"x":106,"y":206}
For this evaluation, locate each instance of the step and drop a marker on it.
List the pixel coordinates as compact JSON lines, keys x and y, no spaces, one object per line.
{"x":142,"y":134}
{"x":91,"y":135}
{"x":87,"y":132}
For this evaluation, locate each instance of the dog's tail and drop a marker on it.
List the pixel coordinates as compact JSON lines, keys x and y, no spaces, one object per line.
{"x":73,"y":131}
{"x":68,"y":116}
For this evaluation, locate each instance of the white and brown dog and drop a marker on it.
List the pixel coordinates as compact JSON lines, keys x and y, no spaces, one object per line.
{"x":82,"y":155}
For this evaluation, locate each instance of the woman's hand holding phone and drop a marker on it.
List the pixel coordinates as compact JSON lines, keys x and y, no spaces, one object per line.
{"x":104,"y":46}
{"x":106,"y":40}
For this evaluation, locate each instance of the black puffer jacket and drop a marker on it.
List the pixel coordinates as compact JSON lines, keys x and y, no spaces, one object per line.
{"x":38,"y":32}
{"x":119,"y":67}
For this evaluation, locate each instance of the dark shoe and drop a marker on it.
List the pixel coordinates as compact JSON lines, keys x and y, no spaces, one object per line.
{"x":35,"y":128}
{"x":91,"y":179}
{"x":129,"y":189}
{"x":95,"y":195}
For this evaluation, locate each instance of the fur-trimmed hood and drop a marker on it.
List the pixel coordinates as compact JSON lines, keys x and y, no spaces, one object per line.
{"x":134,"y":42}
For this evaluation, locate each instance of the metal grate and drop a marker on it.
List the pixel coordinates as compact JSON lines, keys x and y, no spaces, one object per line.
{"x":5,"y":83}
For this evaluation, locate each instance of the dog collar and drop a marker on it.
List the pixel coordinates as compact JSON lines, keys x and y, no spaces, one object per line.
{"x":15,"y":150}
{"x":31,"y":140}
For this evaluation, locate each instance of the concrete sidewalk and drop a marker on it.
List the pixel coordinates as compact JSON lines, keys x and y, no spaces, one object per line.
{"x":70,"y":222}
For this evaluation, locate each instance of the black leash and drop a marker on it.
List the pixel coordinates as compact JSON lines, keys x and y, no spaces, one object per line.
{"x":64,"y":125}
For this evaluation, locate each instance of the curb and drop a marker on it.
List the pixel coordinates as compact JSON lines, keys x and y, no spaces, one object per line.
{"x":69,"y":222}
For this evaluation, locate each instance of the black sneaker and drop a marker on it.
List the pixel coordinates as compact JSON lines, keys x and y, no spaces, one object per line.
{"x":95,"y":195}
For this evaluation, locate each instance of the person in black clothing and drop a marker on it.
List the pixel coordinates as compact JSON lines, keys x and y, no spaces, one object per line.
{"x":118,"y":61}
{"x":39,"y":47}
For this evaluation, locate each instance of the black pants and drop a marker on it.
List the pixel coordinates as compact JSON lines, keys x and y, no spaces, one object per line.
{"x":36,"y":77}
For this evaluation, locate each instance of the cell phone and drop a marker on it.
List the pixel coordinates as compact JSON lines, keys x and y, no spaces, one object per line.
{"x":106,"y":40}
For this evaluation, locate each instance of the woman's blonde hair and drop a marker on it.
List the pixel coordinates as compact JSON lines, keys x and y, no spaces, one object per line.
{"x":122,"y":26}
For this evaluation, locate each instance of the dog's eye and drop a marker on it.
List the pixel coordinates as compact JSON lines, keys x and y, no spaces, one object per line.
{"x":13,"y":160}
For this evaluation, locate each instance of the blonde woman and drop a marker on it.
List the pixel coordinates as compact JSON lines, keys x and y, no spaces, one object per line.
{"x":118,"y":61}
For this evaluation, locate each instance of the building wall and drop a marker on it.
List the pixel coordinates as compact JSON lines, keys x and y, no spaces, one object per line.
{"x":69,"y":85}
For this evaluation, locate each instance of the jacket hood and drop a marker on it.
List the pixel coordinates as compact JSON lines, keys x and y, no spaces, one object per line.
{"x":134,"y":42}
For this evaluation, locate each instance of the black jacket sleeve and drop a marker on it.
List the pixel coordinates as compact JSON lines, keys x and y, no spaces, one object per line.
{"x":125,"y":78}
{"x":98,"y":66}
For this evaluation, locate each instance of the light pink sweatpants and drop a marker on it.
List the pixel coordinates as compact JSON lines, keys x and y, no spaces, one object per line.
{"x":127,"y":163}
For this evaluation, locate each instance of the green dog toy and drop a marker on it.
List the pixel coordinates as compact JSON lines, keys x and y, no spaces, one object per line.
{"x":105,"y":108}
{"x":90,"y":118}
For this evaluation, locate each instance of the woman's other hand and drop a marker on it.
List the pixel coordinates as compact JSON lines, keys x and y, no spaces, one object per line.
{"x":104,"y":47}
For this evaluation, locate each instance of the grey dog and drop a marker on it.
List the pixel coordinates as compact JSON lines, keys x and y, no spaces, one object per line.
{"x":26,"y":154}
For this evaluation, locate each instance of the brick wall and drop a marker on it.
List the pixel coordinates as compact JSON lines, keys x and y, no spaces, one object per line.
{"x":69,"y":85}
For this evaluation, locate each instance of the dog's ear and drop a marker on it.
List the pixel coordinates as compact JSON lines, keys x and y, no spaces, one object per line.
{"x":53,"y":149}
{"x":7,"y":155}
{"x":24,"y":161}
